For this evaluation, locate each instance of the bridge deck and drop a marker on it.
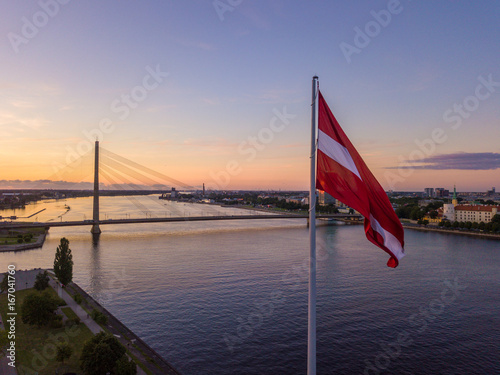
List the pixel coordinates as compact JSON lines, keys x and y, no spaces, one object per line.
{"x":171,"y":220}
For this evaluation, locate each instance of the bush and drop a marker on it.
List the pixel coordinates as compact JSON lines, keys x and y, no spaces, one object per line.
{"x":99,"y":317}
{"x":56,"y":321}
{"x":77,"y":298}
{"x":60,"y":301}
{"x":38,"y":309}
{"x":73,"y":321}
{"x":20,"y":240}
{"x":42,"y":281}
{"x":64,"y":351}
{"x":103,"y":354}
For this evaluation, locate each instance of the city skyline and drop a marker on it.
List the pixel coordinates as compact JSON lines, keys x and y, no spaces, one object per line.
{"x":220,"y":94}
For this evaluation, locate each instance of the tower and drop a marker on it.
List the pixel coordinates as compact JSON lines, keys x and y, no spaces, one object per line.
{"x":95,"y":226}
{"x":454,"y":200}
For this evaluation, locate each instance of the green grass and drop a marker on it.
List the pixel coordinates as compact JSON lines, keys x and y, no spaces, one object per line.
{"x":35,"y":346}
{"x":69,"y":312}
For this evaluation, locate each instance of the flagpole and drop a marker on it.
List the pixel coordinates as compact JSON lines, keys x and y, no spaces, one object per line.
{"x":311,"y":335}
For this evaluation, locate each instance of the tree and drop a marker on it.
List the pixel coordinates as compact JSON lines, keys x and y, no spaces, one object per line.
{"x":101,"y":354}
{"x":124,"y":366}
{"x":63,"y":263}
{"x":64,"y":351}
{"x":38,"y":309}
{"x":42,"y":280}
{"x":496,"y":219}
{"x":434,"y":214}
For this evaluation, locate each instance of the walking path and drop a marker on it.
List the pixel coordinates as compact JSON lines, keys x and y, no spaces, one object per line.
{"x":79,"y":311}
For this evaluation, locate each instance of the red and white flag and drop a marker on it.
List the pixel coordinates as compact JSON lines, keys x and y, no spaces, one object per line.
{"x":343,"y":174}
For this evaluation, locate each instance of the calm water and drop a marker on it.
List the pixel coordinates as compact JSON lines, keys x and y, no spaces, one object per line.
{"x":231,"y":297}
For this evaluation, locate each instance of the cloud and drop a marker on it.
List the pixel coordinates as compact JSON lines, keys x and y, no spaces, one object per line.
{"x":479,"y":161}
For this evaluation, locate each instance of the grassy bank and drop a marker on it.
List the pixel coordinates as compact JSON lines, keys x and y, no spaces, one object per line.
{"x":35,"y":347}
{"x":29,"y":235}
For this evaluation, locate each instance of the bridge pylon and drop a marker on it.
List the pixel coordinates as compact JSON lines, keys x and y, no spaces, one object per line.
{"x":95,"y":227}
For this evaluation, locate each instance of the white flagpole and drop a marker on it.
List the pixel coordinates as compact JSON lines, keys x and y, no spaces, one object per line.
{"x":311,"y":335}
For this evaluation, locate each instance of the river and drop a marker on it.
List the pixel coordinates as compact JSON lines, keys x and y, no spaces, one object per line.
{"x":231,"y":297}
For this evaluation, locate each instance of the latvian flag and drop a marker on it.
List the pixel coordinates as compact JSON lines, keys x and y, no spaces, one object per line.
{"x":344,"y":175}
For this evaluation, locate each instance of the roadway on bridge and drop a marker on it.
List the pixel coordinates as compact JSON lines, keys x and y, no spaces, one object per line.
{"x":173,"y":219}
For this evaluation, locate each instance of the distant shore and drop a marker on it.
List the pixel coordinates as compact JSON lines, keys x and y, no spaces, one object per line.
{"x":428,"y":228}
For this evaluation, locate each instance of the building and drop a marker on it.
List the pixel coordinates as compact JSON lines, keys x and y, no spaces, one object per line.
{"x":449,"y":211}
{"x":441,"y":192}
{"x":475,"y":213}
{"x":454,"y":200}
{"x":429,"y":192}
{"x":324,"y":199}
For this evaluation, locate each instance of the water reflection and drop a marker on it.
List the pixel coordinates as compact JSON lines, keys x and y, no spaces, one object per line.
{"x":95,"y":266}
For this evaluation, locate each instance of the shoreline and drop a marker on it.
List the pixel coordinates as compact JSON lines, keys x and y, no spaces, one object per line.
{"x":26,"y":246}
{"x":489,"y":236}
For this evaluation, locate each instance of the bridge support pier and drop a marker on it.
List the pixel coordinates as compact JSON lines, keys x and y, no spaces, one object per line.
{"x":95,"y":229}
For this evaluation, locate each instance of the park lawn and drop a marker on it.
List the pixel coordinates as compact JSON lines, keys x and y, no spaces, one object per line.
{"x":35,"y":347}
{"x":68,"y":311}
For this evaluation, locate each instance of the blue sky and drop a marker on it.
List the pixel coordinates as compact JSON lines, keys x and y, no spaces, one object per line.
{"x":228,"y":76}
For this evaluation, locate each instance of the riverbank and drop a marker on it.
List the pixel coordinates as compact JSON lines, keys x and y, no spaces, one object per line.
{"x":152,"y":362}
{"x":452,"y":231}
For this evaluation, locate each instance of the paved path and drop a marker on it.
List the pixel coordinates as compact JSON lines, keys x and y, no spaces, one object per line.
{"x":79,"y":311}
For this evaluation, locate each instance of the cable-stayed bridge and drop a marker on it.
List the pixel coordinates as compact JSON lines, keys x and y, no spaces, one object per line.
{"x":124,"y":174}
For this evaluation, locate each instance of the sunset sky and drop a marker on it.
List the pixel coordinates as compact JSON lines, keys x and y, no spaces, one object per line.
{"x":208,"y":92}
